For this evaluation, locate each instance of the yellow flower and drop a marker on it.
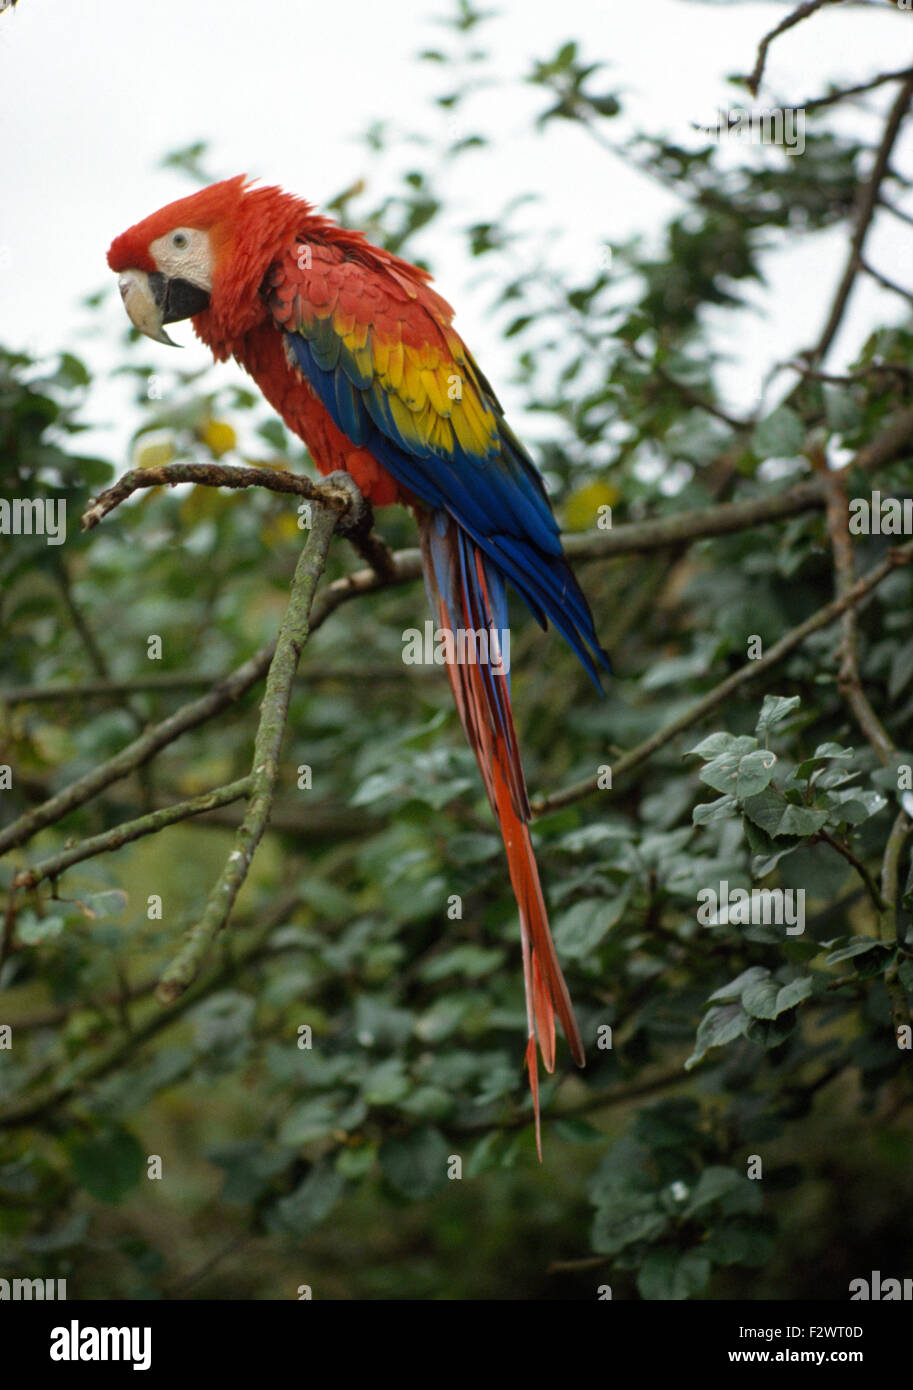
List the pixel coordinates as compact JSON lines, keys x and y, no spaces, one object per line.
{"x":154,"y":455}
{"x":218,"y":437}
{"x":581,"y":510}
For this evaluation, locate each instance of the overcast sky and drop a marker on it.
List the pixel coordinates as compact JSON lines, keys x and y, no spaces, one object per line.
{"x":96,"y":91}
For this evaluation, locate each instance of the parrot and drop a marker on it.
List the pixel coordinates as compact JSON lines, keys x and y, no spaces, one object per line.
{"x":356,"y":351}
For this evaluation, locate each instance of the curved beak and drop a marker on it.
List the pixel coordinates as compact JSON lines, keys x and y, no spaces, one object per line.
{"x":152,"y":300}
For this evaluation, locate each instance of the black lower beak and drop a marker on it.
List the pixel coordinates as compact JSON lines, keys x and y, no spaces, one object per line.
{"x":177,"y":299}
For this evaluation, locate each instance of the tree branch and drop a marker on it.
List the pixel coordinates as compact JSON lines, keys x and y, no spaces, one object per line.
{"x":815,"y":103}
{"x":293,"y":634}
{"x":887,"y":927}
{"x":868,"y":201}
{"x":128,"y":831}
{"x":848,"y":680}
{"x":131,"y":757}
{"x":792,"y":639}
{"x":811,"y":494}
{"x":802,"y":12}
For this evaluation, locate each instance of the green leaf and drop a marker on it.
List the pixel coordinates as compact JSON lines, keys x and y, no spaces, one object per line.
{"x":774,"y":710}
{"x":709,"y":811}
{"x":357,"y":1162}
{"x":33,"y":931}
{"x":781,"y":435}
{"x":771,"y":1032}
{"x":714,"y":1183}
{"x":859,"y":946}
{"x":416,"y":1164}
{"x":854,"y":807}
{"x":248,"y":1165}
{"x":470,"y":961}
{"x":794,"y":992}
{"x":823,"y":754}
{"x":738,"y":1242}
{"x":309,"y":1120}
{"x":108,"y":1163}
{"x":753,"y":975}
{"x":579,"y":930}
{"x":719,"y":1026}
{"x":777,"y":816}
{"x":760,"y":998}
{"x":740,"y":776}
{"x":576,"y":1131}
{"x":668,"y":1274}
{"x":626,"y":1218}
{"x":386,"y":1083}
{"x":901,"y":670}
{"x":310,"y":1203}
{"x":755,"y":771}
{"x":715,"y":745}
{"x":905,"y":971}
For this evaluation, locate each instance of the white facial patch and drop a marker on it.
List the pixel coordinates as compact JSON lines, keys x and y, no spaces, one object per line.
{"x":184,"y":254}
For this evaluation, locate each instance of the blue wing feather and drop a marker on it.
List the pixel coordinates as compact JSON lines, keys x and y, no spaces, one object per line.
{"x":500,"y":503}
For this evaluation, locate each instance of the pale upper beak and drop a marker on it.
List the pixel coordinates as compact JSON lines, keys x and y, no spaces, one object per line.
{"x":152,"y":300}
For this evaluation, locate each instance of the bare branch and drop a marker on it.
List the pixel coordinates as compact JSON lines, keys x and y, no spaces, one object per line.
{"x":887,"y":930}
{"x":885,"y":283}
{"x":869,"y":197}
{"x":848,"y":681}
{"x":211,"y":475}
{"x":131,"y":830}
{"x":815,"y":103}
{"x":801,"y":12}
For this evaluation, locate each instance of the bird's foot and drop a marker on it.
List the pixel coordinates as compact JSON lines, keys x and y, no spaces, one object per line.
{"x":358,"y":518}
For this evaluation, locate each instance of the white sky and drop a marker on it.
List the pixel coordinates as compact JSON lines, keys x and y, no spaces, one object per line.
{"x":96,"y":91}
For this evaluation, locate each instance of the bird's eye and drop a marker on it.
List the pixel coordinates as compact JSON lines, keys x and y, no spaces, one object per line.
{"x":180,"y":240}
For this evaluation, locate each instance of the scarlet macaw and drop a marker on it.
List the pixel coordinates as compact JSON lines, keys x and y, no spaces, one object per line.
{"x":356,"y":352}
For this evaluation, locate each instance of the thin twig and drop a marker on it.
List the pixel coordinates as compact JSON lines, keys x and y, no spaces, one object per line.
{"x":366,"y":542}
{"x":887,"y":927}
{"x":885,"y":283}
{"x":802,"y":12}
{"x":869,"y":196}
{"x":168,"y":684}
{"x":848,"y":679}
{"x":843,"y":849}
{"x":211,"y":475}
{"x":132,"y":830}
{"x":687,"y":394}
{"x":815,"y":103}
{"x":9,"y":922}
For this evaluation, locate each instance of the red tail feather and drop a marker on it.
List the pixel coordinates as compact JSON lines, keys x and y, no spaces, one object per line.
{"x":487,"y":720}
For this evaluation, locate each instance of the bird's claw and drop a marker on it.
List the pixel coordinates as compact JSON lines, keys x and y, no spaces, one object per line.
{"x":359,"y":512}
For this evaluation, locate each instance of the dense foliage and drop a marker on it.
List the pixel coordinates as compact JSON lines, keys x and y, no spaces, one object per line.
{"x":742,"y":1128}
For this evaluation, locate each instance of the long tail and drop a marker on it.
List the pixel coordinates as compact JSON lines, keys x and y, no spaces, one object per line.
{"x":468,"y":596}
